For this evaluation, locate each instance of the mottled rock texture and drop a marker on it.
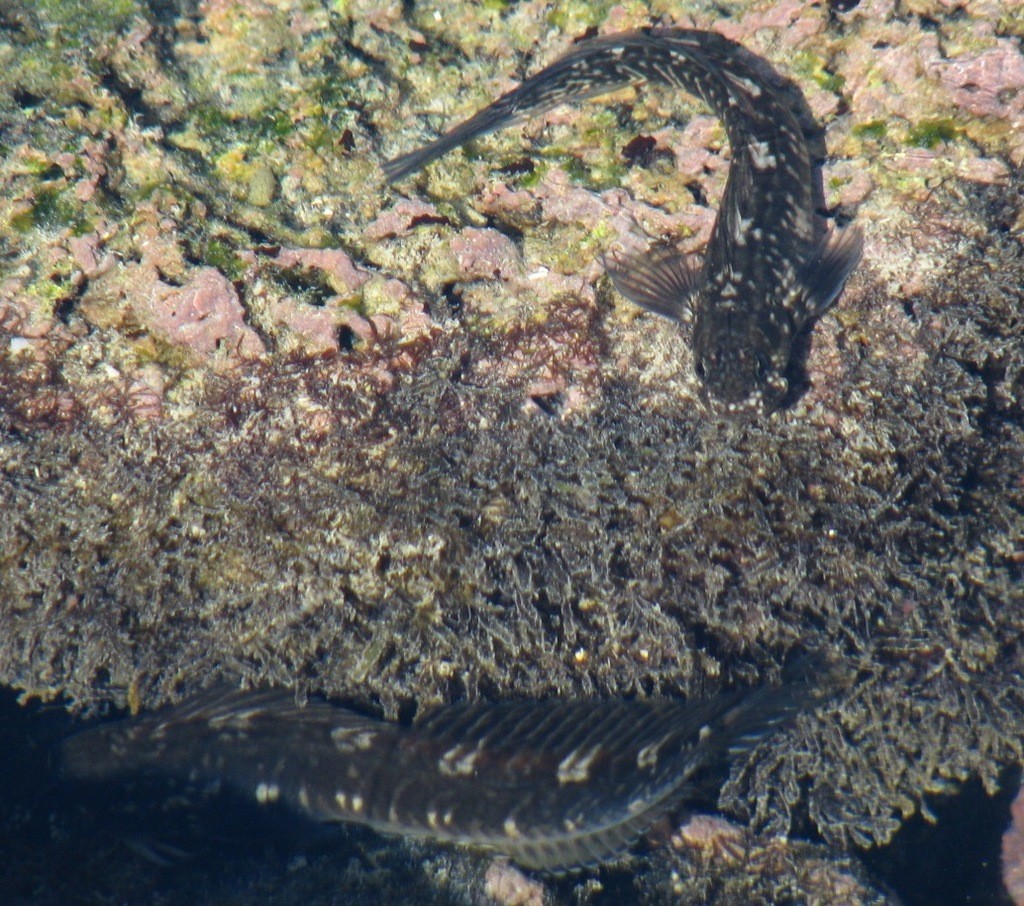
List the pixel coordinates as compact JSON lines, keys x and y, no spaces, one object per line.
{"x":1013,"y":853}
{"x":262,"y":418}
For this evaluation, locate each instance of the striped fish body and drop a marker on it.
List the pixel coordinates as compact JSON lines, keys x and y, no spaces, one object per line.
{"x":553,"y":785}
{"x":768,"y":271}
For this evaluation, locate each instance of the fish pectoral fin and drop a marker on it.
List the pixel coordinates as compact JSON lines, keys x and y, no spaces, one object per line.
{"x":826,"y":272}
{"x":662,"y":280}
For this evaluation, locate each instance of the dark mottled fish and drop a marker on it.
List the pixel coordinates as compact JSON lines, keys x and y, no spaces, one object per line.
{"x":553,"y":785}
{"x":768,"y":271}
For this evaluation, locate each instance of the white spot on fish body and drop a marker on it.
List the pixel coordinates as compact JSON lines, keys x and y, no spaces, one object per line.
{"x":349,"y":739}
{"x":647,"y":757}
{"x":267,"y":793}
{"x":575,"y":767}
{"x":740,"y":226}
{"x":745,"y":85}
{"x":761,"y":157}
{"x":636,"y":806}
{"x":457,"y":761}
{"x":793,"y":298}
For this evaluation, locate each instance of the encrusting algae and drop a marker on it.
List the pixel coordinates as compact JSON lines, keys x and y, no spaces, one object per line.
{"x":402,"y":453}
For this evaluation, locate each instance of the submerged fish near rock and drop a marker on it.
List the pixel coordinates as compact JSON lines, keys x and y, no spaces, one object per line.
{"x":553,"y":785}
{"x":768,"y":271}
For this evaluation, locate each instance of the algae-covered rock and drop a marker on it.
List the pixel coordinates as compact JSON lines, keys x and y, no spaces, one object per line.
{"x":408,"y":451}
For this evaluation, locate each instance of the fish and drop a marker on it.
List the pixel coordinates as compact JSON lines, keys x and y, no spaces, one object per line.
{"x":553,"y":785}
{"x":769,"y":270}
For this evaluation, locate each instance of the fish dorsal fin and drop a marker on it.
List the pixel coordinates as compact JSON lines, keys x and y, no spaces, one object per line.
{"x":662,"y":280}
{"x":826,"y":272}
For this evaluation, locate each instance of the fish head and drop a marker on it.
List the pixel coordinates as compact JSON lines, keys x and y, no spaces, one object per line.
{"x":742,"y":361}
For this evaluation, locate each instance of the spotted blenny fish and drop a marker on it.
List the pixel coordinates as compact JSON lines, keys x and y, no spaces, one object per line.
{"x":553,"y":785}
{"x":769,"y":269}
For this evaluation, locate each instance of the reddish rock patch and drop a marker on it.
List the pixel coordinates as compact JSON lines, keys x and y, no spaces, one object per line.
{"x":205,"y":315}
{"x":1013,"y":852}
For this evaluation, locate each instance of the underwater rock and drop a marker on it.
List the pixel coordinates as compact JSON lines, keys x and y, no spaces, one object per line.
{"x":1013,"y":852}
{"x":518,"y":496}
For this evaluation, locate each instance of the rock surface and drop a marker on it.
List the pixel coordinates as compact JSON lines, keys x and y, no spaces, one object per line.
{"x":263,"y":418}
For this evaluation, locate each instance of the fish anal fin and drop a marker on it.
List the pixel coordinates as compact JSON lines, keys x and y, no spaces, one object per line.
{"x":662,"y":280}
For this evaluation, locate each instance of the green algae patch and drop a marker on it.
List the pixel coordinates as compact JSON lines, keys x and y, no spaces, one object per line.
{"x":221,"y":253}
{"x":574,"y":16}
{"x":81,"y":24}
{"x":253,"y":179}
{"x":810,"y":66}
{"x":51,"y":209}
{"x":931,"y":133}
{"x":1010,"y":21}
{"x":874,"y":129}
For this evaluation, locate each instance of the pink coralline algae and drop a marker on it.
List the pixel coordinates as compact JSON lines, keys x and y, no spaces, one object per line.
{"x":86,"y":253}
{"x":508,"y":886}
{"x":613,"y":209}
{"x":339,"y":268}
{"x":1013,"y":853}
{"x":316,"y":329}
{"x":400,"y":219}
{"x":486,"y":254}
{"x":988,"y":83}
{"x":204,"y":315}
{"x":795,"y":17}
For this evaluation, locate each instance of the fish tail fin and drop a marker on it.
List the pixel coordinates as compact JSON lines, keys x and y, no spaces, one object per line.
{"x":808,"y":681}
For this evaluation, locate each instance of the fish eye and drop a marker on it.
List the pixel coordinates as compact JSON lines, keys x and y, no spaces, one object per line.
{"x":700,"y":369}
